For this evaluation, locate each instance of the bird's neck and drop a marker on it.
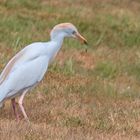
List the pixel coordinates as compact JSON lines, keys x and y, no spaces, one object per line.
{"x":58,"y":38}
{"x":56,"y":43}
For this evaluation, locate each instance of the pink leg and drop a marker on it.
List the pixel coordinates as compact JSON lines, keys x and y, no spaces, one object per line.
{"x":14,"y":109}
{"x":21,"y":106}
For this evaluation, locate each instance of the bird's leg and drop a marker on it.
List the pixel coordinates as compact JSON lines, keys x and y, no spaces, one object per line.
{"x":14,"y":109}
{"x":21,"y":106}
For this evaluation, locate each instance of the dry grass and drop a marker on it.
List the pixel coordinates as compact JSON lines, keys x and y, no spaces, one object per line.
{"x":85,"y":95}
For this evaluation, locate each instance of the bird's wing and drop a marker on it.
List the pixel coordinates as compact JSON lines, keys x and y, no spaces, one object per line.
{"x":24,"y":70}
{"x":30,"y":52}
{"x":10,"y":65}
{"x":26,"y":75}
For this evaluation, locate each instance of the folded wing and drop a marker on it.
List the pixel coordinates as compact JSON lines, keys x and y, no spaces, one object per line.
{"x":22,"y":71}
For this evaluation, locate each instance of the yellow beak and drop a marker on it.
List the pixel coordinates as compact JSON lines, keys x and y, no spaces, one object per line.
{"x":81,"y":38}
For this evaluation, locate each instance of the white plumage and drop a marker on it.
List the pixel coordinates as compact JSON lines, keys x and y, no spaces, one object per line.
{"x":27,"y":68}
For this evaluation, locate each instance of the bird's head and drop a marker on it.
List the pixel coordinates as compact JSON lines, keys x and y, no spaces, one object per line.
{"x":67,"y":30}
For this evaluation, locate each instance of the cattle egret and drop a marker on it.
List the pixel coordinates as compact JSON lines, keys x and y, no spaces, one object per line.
{"x":27,"y":68}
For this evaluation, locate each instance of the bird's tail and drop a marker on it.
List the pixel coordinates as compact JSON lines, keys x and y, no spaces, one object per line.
{"x":1,"y":104}
{"x":3,"y":92}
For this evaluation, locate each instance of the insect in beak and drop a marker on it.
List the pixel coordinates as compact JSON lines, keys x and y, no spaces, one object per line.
{"x":81,"y":38}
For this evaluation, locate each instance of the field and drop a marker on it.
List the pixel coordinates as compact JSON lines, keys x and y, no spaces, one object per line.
{"x":89,"y":92}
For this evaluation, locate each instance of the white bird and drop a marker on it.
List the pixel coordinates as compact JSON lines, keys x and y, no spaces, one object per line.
{"x":27,"y":68}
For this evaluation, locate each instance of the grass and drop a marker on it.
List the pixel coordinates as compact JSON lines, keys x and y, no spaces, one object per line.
{"x":105,"y":70}
{"x":88,"y":92}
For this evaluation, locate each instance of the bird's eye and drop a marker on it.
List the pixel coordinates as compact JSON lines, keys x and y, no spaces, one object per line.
{"x":73,"y":32}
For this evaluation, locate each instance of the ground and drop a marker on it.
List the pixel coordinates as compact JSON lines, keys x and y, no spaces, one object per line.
{"x":89,"y":92}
